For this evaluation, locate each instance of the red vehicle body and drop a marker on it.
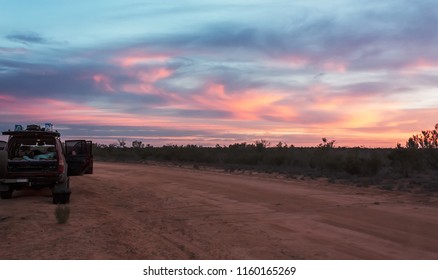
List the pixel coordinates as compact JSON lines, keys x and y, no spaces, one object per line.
{"x":35,"y":158}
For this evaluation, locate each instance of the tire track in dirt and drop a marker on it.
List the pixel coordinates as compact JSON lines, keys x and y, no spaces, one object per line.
{"x":137,"y":211}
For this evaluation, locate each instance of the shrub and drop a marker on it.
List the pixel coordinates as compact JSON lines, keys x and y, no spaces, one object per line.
{"x":405,"y":161}
{"x":427,"y":139}
{"x":62,"y":213}
{"x":365,"y":163}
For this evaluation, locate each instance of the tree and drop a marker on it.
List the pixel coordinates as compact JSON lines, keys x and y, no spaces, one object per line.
{"x":327,"y":144}
{"x":262,"y":144}
{"x":427,"y":139}
{"x":122,"y":142}
{"x":137,"y":144}
{"x":281,"y":145}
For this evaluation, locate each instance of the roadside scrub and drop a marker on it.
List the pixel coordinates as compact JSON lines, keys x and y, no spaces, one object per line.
{"x":361,"y":166}
{"x":62,"y":213}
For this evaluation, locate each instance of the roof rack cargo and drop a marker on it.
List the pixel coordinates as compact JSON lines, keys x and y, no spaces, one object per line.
{"x":33,"y":127}
{"x":40,"y":133}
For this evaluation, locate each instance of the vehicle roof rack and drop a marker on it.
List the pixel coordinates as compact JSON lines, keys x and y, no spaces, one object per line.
{"x":40,"y":133}
{"x":33,"y":130}
{"x":34,"y":127}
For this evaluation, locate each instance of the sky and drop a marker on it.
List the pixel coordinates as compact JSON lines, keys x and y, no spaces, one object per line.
{"x":363,"y":73}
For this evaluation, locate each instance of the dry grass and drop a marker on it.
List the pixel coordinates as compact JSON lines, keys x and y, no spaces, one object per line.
{"x":62,"y":213}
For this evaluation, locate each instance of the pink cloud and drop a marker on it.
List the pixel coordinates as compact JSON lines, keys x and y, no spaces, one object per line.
{"x":244,"y":105}
{"x":216,"y":91}
{"x":335,"y":66}
{"x":154,"y":75}
{"x":139,"y":88}
{"x":145,"y":80}
{"x":7,"y":98}
{"x":56,"y":111}
{"x":103,"y":82}
{"x":296,"y":60}
{"x":419,"y":64}
{"x":131,"y":58}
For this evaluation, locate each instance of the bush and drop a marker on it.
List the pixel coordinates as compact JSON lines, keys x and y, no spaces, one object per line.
{"x":363,"y":165}
{"x":323,"y":160}
{"x":62,"y":213}
{"x":406,"y":161}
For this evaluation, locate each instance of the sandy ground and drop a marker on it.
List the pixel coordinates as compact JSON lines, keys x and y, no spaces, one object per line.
{"x":135,"y":211}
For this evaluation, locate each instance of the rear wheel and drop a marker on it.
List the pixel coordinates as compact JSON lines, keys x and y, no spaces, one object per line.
{"x":61,"y":193}
{"x":61,"y":198}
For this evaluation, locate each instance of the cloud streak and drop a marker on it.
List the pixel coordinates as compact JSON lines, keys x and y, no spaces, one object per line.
{"x":286,"y":71}
{"x":27,"y":38}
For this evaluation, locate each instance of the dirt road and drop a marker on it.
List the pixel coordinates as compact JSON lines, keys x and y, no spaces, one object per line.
{"x":135,"y":211}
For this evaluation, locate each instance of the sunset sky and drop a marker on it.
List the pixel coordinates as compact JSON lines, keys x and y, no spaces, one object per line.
{"x":364,"y":73}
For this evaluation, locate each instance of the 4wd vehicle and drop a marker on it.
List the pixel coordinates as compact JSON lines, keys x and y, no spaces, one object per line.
{"x":35,"y":158}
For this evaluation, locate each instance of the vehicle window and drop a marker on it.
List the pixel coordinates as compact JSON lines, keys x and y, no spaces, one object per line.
{"x":76,"y":147}
{"x":23,"y":148}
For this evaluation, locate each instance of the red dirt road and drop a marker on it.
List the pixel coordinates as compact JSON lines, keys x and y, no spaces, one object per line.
{"x":136,"y":211}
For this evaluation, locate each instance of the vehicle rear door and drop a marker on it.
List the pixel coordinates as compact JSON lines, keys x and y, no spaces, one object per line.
{"x":79,"y":158}
{"x":89,"y":169}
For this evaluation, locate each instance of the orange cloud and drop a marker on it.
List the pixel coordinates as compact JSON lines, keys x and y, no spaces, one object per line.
{"x":245,"y":105}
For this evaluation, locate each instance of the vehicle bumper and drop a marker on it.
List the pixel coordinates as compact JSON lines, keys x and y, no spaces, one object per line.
{"x":30,"y":182}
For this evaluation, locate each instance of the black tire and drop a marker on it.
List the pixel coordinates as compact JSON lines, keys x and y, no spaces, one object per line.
{"x":6,"y":194}
{"x":89,"y":170}
{"x":61,"y":198}
{"x":3,"y":163}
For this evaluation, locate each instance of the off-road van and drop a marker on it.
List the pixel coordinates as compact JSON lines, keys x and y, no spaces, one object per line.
{"x":36,"y":158}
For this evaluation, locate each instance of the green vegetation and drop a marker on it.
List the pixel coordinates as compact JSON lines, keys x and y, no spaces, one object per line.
{"x":321,"y":160}
{"x":415,"y":165}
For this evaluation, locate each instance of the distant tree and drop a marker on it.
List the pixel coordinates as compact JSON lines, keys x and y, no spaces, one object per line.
{"x":262,"y":144}
{"x":427,"y":139}
{"x":239,"y":145}
{"x":122,"y":142}
{"x":281,"y":145}
{"x":137,"y":144}
{"x":327,"y":144}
